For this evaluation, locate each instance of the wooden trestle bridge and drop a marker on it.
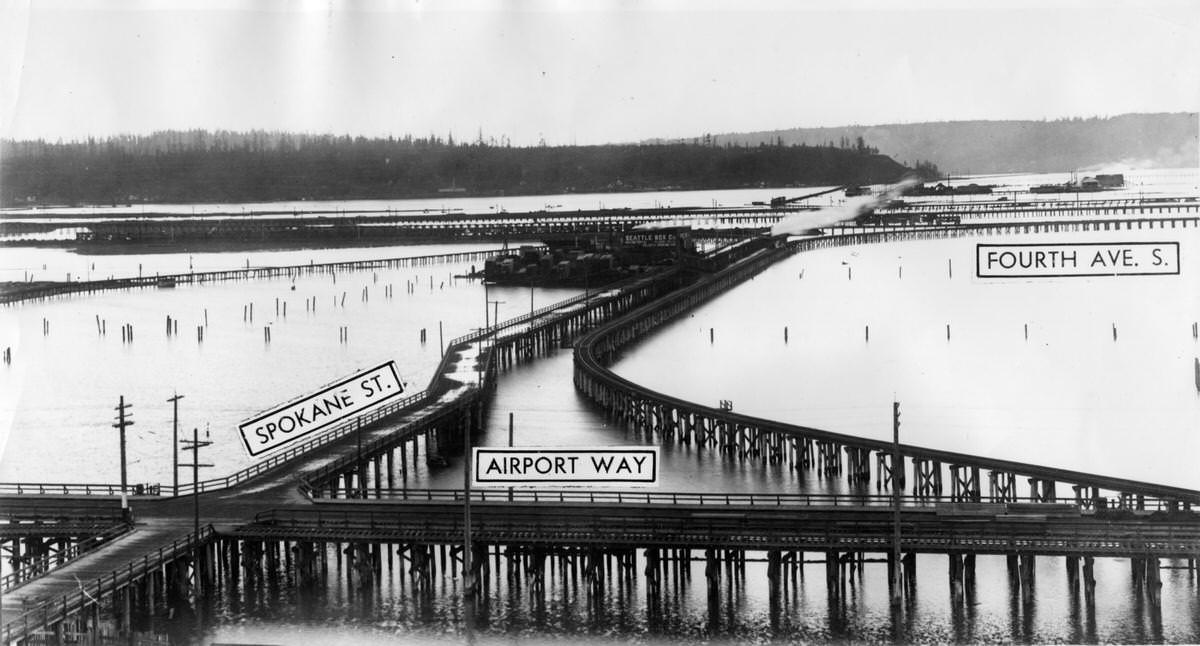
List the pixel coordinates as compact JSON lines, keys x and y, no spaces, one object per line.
{"x":344,"y":497}
{"x":386,"y":225}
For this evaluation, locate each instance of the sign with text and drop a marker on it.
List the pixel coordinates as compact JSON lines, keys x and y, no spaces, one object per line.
{"x":1076,"y":259}
{"x":333,"y":404}
{"x":610,"y":465}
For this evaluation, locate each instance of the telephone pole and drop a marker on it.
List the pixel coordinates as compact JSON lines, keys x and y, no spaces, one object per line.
{"x":468,"y":581}
{"x":495,"y":311}
{"x":123,"y":422}
{"x":175,"y":442}
{"x":897,"y":471}
{"x":194,"y":445}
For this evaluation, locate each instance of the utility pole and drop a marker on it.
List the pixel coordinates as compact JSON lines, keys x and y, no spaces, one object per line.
{"x":123,"y":422}
{"x":194,"y":445}
{"x":175,"y":443}
{"x":897,"y":471}
{"x":359,"y":468}
{"x":479,"y":374}
{"x":468,"y":584}
{"x":510,"y":445}
{"x":496,"y":312}
{"x":485,"y":304}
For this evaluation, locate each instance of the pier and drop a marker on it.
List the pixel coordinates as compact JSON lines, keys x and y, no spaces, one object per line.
{"x":249,"y":273}
{"x":387,"y":226}
{"x":339,"y":504}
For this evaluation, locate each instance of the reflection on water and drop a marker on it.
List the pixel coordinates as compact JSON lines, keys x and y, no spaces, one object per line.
{"x":992,"y":608}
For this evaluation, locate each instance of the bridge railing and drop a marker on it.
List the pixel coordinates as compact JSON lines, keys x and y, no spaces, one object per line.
{"x":51,"y":611}
{"x":715,"y":499}
{"x":77,"y":489}
{"x":538,"y":313}
{"x":301,"y":449}
{"x":43,"y":564}
{"x":755,"y":529}
{"x":309,"y":479}
{"x":1007,"y":206}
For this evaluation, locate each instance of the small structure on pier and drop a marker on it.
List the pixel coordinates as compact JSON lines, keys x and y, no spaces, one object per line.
{"x":579,"y":260}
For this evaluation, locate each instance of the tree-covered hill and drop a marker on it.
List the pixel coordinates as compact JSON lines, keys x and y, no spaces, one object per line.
{"x":978,"y":147}
{"x":198,"y":166}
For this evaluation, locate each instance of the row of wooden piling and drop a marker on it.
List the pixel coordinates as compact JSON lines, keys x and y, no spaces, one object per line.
{"x":248,"y":273}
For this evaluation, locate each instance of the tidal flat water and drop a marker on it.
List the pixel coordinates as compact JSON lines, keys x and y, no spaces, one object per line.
{"x":1104,"y":382}
{"x":57,"y":398}
{"x":749,"y":362}
{"x":1069,"y":395}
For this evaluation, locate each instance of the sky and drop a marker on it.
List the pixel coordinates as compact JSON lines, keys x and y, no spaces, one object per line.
{"x":590,"y":71}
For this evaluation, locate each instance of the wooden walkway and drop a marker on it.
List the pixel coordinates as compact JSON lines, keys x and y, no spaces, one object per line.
{"x":359,"y":226}
{"x":248,"y":273}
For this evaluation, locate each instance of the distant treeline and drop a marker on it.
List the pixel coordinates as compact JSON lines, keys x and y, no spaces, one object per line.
{"x":198,"y":166}
{"x":978,"y":147}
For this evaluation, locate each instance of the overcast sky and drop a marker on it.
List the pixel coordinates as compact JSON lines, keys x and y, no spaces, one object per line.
{"x":585,"y":72}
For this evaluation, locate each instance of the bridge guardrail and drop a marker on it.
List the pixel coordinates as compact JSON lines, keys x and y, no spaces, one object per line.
{"x":73,"y":488}
{"x":1007,"y":206}
{"x":541,"y":311}
{"x":41,"y":565}
{"x":636,"y":497}
{"x":50,"y":611}
{"x":336,"y":433}
{"x":923,"y":529}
